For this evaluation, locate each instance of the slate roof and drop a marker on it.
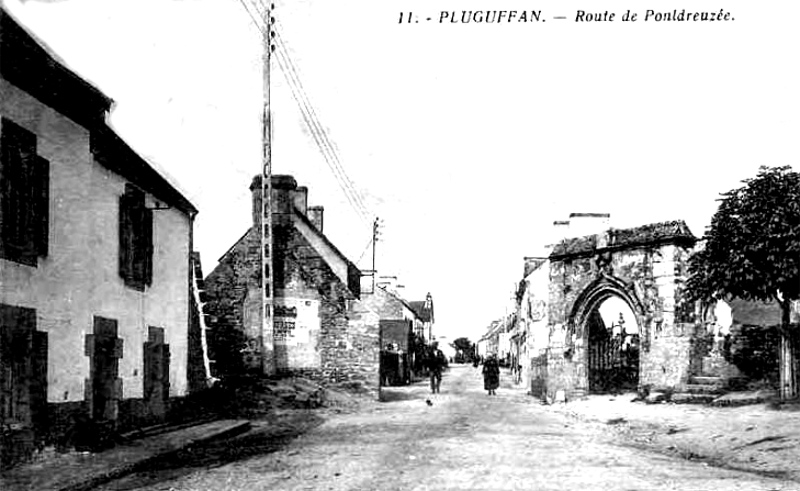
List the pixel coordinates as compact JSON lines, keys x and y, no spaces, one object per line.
{"x":30,"y":65}
{"x":646,"y":235}
{"x":353,"y":273}
{"x":424,"y":314}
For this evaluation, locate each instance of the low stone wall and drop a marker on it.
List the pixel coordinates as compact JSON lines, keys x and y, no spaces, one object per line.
{"x":667,"y":363}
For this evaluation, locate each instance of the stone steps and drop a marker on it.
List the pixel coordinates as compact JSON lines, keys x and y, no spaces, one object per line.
{"x":706,"y":380}
{"x":692,"y":398}
{"x":704,"y":389}
{"x":701,"y":389}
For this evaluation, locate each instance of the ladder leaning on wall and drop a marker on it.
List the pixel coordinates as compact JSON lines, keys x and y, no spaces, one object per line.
{"x":198,"y":292}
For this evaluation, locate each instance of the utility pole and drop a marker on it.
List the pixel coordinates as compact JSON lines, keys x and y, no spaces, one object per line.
{"x":375,"y":233}
{"x":267,"y":340}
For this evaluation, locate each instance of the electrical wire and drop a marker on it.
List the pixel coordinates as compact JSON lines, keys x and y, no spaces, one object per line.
{"x":310,"y":107}
{"x":321,"y":138}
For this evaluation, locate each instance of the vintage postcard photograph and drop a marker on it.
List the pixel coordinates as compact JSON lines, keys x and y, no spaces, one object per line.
{"x":399,"y":245}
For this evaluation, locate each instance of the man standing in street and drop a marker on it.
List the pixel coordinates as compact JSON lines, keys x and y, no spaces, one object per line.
{"x":436,"y":364}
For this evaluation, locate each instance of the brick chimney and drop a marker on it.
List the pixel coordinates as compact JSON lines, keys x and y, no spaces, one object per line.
{"x":284,"y":190}
{"x":315,"y":214}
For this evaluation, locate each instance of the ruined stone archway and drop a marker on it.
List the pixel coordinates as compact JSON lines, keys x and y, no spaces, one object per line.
{"x":646,"y":267}
{"x":612,"y":345}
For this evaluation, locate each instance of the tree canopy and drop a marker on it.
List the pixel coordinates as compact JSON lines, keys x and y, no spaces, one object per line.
{"x":752,"y":252}
{"x":462,"y":344}
{"x":752,"y":248}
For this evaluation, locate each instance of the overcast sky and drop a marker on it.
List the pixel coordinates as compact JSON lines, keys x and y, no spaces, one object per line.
{"x":468,"y":140}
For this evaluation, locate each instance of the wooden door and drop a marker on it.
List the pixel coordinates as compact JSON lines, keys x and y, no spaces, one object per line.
{"x":156,"y":373}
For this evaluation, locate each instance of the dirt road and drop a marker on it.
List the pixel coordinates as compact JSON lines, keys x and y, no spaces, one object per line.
{"x":463,"y":439}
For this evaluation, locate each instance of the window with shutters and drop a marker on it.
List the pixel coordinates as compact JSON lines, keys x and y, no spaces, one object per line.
{"x":135,"y":239}
{"x":24,"y":196}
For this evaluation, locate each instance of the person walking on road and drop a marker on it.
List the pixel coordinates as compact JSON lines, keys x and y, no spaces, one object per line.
{"x":436,"y":364}
{"x":491,"y":375}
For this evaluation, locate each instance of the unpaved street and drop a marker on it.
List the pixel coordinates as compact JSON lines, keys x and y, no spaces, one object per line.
{"x":464,"y":440}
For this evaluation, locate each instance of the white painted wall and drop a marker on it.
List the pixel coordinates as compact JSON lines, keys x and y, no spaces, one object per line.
{"x":533,"y":309}
{"x":79,"y":278}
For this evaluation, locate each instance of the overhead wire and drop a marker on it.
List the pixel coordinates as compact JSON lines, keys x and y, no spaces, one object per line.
{"x":366,"y":248}
{"x":324,"y":144}
{"x":321,"y":138}
{"x":312,"y":112}
{"x":252,"y":17}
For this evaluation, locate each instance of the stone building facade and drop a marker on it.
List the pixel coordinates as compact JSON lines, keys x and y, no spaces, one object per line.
{"x":646,"y":267}
{"x":321,"y":330}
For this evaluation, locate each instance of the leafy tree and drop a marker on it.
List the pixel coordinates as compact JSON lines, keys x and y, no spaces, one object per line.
{"x":752,"y":252}
{"x":464,"y":348}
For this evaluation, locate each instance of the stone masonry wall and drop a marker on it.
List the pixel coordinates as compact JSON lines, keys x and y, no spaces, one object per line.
{"x":650,"y":277}
{"x":337,"y":350}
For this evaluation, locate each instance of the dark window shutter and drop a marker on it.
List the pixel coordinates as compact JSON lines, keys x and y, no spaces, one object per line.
{"x":126,"y":235}
{"x":17,"y":159}
{"x":147,"y":246}
{"x":136,"y":239}
{"x":41,"y":197}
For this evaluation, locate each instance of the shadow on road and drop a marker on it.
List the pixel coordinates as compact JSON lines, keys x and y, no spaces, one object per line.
{"x":396,"y":394}
{"x":265,"y":437}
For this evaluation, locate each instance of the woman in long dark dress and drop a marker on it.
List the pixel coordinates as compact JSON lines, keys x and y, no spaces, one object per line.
{"x":491,"y":375}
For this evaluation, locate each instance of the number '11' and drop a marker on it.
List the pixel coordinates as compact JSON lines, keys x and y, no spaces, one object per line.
{"x":405,"y":16}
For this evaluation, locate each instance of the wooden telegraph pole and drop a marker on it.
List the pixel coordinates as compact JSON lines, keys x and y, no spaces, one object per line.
{"x":267,"y":287}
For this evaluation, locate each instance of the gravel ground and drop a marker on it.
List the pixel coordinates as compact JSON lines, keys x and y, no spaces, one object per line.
{"x":755,"y":438}
{"x":459,"y":439}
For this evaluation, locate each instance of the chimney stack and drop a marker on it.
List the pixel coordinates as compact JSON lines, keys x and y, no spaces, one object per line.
{"x":315,"y":215}
{"x":301,"y":199}
{"x":284,"y":189}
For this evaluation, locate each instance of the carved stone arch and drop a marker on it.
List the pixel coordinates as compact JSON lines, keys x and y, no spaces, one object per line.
{"x":593,"y":295}
{"x":605,"y":363}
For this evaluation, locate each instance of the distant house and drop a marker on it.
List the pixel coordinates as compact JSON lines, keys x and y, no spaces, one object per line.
{"x":424,"y":311}
{"x":401,"y":328}
{"x":94,"y":256}
{"x":319,"y":329}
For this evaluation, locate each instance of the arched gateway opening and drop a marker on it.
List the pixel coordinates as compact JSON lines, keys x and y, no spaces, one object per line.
{"x":612,"y":347}
{"x":607,"y":316}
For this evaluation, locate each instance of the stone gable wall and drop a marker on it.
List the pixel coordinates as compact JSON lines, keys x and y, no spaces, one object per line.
{"x":342,"y":347}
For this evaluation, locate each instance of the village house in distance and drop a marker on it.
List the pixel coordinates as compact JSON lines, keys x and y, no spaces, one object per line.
{"x":326,"y":327}
{"x":95,"y":259}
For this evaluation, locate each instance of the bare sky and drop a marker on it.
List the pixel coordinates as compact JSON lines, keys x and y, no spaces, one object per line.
{"x":468,"y":140}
